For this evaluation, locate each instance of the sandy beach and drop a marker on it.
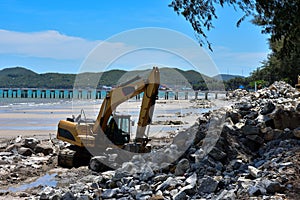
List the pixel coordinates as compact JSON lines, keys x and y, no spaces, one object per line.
{"x":41,"y":119}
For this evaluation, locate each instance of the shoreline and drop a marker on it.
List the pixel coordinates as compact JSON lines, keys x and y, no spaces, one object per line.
{"x":42,"y":119}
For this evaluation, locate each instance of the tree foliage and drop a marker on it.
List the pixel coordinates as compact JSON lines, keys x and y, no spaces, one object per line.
{"x":280,"y":18}
{"x":278,"y":67}
{"x":201,"y":13}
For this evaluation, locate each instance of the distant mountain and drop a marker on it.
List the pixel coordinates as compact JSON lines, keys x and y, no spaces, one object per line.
{"x":226,"y":77}
{"x":16,"y":71}
{"x":174,"y":78}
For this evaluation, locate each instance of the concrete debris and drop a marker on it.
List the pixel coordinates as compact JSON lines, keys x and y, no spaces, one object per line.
{"x":249,"y":150}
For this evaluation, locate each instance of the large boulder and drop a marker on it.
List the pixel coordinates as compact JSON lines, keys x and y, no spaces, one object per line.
{"x":182,"y":166}
{"x":250,"y":130}
{"x":296,"y":132}
{"x":286,"y":118}
{"x":268,"y":108}
{"x":43,"y":148}
{"x":24,"y":151}
{"x":31,"y":142}
{"x":208,"y":185}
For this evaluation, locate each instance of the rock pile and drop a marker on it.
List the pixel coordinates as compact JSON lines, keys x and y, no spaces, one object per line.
{"x":278,"y":89}
{"x":200,"y":103}
{"x":25,"y":157}
{"x":248,"y":150}
{"x":237,"y":94}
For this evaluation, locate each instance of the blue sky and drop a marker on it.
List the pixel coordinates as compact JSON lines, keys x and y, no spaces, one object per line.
{"x":57,"y":36}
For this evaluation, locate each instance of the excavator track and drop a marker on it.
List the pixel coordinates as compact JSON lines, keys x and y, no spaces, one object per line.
{"x":73,"y":157}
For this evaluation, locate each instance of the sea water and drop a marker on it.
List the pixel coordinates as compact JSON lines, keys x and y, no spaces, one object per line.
{"x":18,"y":115}
{"x":42,"y":115}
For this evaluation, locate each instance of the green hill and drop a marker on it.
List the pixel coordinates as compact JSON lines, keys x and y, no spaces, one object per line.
{"x":16,"y":71}
{"x":174,"y":78}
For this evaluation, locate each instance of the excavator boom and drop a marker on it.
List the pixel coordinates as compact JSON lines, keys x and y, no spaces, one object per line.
{"x":121,"y":94}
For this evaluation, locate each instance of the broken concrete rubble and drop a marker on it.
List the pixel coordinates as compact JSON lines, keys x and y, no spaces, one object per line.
{"x":248,"y":150}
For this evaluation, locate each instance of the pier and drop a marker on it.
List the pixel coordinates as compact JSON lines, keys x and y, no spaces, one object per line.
{"x":100,"y":94}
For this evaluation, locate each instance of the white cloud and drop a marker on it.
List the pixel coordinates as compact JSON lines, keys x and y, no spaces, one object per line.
{"x":235,"y":62}
{"x":46,"y":44}
{"x":127,"y":50}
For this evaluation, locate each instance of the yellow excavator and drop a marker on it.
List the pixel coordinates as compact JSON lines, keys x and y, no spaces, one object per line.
{"x":297,"y":86}
{"x":88,"y":138}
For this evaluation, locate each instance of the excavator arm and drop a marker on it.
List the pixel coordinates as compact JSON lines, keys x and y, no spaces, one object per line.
{"x":126,"y":91}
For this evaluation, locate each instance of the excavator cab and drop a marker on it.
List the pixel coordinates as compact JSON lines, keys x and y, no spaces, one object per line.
{"x":118,"y":129}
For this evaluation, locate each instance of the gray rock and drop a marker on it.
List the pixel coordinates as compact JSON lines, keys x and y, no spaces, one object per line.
{"x":31,"y":142}
{"x":266,"y":120}
{"x":68,"y":196}
{"x":244,"y":106}
{"x":22,"y":194}
{"x":236,"y":163}
{"x":252,"y":115}
{"x":18,"y":139}
{"x":259,"y":163}
{"x":192,"y":180}
{"x":84,"y":197}
{"x":111,"y":184}
{"x":254,"y":172}
{"x":285,"y":117}
{"x":5,"y":154}
{"x":227,"y":195}
{"x":167,"y":183}
{"x":185,"y":138}
{"x":268,"y":108}
{"x":256,"y":190}
{"x":190,"y":183}
{"x":217,"y":154}
{"x":160,"y":177}
{"x":97,"y":164}
{"x":182,"y":167}
{"x":144,"y":187}
{"x":110,"y":193}
{"x":130,"y":168}
{"x":250,"y":130}
{"x":235,"y":116}
{"x":250,"y":122}
{"x":47,"y":193}
{"x":208,"y":185}
{"x":43,"y":148}
{"x":13,"y":148}
{"x":296,"y":132}
{"x":57,"y":195}
{"x":273,"y":186}
{"x":107,"y":175}
{"x":180,"y":196}
{"x":158,"y":193}
{"x":143,"y":195}
{"x":24,"y":151}
{"x":228,"y":129}
{"x":268,"y":133}
{"x":255,"y":138}
{"x":174,"y":192}
{"x":298,"y":107}
{"x":78,"y":187}
{"x":147,"y":172}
